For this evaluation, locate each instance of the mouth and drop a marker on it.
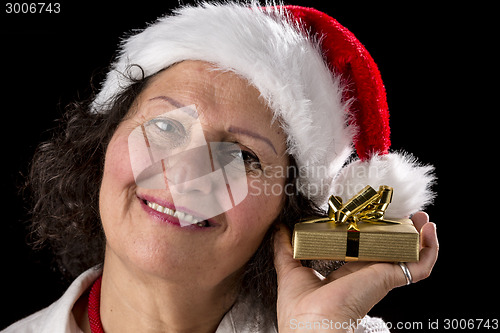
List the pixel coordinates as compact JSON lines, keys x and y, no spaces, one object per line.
{"x":177,"y":217}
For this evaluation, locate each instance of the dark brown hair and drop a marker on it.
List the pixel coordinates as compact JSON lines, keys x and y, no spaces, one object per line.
{"x":64,"y":183}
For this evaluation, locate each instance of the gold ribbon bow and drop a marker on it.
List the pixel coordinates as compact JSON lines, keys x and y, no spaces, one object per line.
{"x":367,"y":205}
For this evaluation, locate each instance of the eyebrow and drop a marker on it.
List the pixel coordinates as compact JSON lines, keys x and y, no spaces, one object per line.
{"x":177,"y":104}
{"x":246,"y":132}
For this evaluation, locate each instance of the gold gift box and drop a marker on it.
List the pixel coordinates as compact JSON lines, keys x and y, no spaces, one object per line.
{"x":357,"y":230}
{"x":375,"y":242}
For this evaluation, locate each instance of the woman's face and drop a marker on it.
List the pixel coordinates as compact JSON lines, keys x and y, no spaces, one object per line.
{"x":139,"y":236}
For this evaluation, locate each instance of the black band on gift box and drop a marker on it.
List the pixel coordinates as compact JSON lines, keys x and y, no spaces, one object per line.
{"x":352,"y":246}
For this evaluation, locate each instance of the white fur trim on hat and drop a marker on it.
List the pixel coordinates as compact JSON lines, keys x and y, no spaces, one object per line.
{"x":411,"y":181}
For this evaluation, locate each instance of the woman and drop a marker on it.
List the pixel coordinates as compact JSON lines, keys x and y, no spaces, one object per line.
{"x":174,"y":191}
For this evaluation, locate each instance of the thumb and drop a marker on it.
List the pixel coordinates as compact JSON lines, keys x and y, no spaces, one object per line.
{"x":283,"y":252}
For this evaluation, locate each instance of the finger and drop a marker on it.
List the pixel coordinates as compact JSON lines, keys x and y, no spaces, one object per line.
{"x":365,"y":285}
{"x":428,"y":255}
{"x":346,"y":269}
{"x":283,"y":252}
{"x":429,"y":236}
{"x":419,"y":219}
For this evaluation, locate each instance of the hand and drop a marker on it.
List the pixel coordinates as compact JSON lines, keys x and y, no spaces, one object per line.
{"x":348,"y":293}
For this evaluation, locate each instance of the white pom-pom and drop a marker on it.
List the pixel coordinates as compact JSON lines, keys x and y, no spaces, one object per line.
{"x":411,"y":181}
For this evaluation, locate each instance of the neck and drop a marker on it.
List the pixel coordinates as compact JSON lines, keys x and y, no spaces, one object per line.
{"x":132,"y":301}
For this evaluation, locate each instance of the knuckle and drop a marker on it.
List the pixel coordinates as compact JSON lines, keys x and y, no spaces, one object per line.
{"x":423,"y":273}
{"x":427,"y":272}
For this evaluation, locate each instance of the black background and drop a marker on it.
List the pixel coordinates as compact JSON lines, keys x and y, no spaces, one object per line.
{"x":438,"y":63}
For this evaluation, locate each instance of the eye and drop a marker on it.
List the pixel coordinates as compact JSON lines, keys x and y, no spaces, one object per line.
{"x":164,"y":125}
{"x":227,"y":152}
{"x":251,"y":160}
{"x":166,"y":133}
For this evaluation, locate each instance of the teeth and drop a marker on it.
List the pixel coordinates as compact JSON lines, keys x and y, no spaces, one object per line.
{"x":180,"y":215}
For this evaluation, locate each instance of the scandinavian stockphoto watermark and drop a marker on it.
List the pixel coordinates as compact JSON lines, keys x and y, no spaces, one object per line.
{"x":328,"y":324}
{"x":263,"y":180}
{"x":429,"y":324}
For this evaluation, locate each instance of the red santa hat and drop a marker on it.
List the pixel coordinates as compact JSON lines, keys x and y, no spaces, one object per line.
{"x":319,"y":80}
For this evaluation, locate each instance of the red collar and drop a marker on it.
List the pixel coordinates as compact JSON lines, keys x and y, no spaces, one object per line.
{"x":94,"y":307}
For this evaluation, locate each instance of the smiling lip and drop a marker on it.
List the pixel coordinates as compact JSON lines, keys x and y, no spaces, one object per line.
{"x":167,"y":212}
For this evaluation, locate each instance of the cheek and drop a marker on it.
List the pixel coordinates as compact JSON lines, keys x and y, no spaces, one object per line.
{"x":253,"y":216}
{"x":117,"y":185}
{"x":117,"y":170}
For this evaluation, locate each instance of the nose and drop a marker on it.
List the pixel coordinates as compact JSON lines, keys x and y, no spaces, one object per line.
{"x":190,"y":170}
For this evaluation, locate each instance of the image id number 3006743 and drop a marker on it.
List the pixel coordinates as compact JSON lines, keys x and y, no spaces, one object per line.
{"x":32,"y":7}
